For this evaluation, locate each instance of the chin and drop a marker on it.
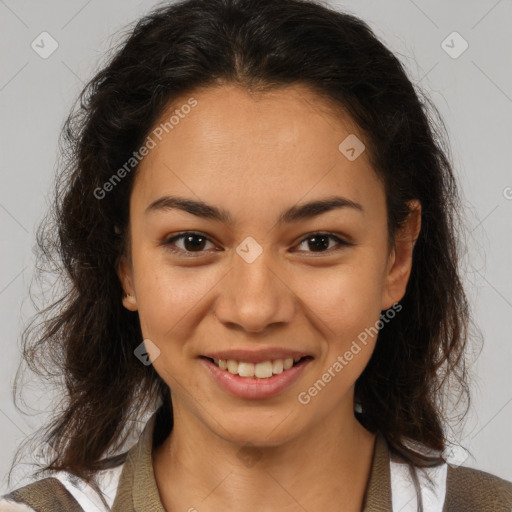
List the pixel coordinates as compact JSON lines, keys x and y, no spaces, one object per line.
{"x":258,"y":428}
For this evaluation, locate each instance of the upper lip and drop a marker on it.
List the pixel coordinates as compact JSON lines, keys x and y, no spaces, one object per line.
{"x":256,"y":356}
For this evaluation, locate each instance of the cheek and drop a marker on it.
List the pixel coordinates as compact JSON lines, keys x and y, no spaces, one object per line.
{"x":346,"y":298}
{"x":166,"y":295}
{"x":347,"y":302}
{"x":348,"y":307}
{"x":170,"y":304}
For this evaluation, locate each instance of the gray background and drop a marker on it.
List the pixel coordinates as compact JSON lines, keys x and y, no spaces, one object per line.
{"x":473,"y":93}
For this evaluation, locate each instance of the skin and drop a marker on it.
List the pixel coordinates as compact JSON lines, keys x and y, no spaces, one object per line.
{"x":255,"y":156}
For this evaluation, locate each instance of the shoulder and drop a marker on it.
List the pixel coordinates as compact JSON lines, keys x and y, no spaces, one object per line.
{"x":64,"y":492}
{"x":476,"y":490}
{"x":44,"y":494}
{"x":448,"y":488}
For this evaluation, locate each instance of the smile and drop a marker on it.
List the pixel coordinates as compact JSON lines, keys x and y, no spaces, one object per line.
{"x":263,"y":370}
{"x":261,"y":380}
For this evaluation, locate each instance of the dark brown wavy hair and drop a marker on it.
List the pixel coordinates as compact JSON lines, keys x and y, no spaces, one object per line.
{"x":86,"y":338}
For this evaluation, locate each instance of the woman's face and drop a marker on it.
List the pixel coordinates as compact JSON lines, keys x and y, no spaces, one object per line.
{"x":255,"y":276}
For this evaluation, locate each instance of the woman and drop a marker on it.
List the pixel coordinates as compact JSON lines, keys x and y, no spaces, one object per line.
{"x":258,"y":226}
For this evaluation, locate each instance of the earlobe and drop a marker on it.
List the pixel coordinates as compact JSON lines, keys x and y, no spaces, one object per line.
{"x":125,"y":274}
{"x":400,"y":259}
{"x":129,"y":302}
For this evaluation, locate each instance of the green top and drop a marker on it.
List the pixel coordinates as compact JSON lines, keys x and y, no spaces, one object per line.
{"x":467,"y":490}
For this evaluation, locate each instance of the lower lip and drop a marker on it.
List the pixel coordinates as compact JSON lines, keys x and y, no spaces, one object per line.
{"x":254,"y":388}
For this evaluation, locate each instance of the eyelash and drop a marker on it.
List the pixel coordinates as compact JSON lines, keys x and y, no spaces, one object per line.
{"x":168,"y":243}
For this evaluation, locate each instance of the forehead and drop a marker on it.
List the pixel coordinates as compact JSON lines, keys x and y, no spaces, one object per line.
{"x":284,"y":143}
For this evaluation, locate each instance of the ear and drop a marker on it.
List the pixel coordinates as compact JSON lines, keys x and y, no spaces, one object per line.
{"x":400,"y":258}
{"x":125,"y":273}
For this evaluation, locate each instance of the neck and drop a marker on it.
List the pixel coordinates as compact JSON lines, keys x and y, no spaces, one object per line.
{"x":326,"y":468}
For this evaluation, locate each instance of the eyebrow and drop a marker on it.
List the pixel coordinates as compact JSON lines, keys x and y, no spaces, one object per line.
{"x":291,"y":215}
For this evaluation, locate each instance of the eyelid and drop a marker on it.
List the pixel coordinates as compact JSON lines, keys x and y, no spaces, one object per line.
{"x":178,"y":236}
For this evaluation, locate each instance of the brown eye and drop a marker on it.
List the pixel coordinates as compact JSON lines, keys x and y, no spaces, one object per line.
{"x":320,"y":242}
{"x":191,"y":243}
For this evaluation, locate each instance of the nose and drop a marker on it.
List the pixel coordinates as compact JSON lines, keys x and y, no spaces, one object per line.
{"x":255,"y":295}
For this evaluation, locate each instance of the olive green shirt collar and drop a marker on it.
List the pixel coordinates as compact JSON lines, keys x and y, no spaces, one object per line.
{"x":137,"y":490}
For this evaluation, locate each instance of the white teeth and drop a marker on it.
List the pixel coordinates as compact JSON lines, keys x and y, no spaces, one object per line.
{"x":277,"y":366}
{"x":232,"y":366}
{"x":288,"y":363}
{"x":262,"y":370}
{"x":246,"y":369}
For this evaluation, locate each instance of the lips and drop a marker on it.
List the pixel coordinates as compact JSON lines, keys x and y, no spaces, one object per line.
{"x":252,"y":388}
